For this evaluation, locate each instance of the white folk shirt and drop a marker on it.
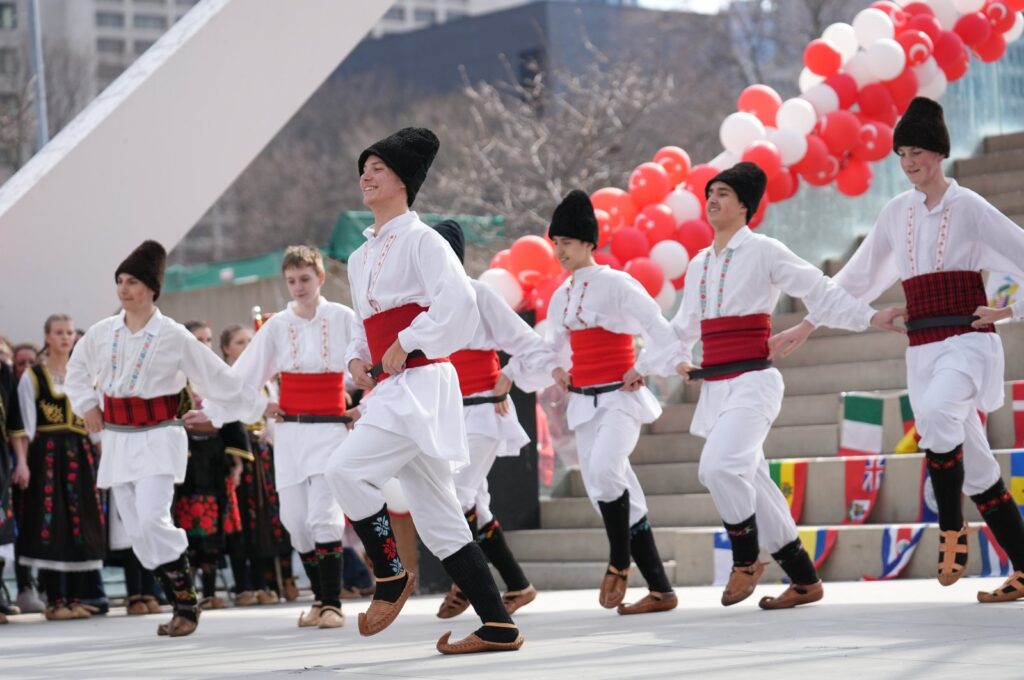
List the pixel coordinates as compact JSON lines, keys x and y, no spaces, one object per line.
{"x":407,"y":262}
{"x":287,"y":343}
{"x":751,"y":272}
{"x":601,"y":297}
{"x":978,"y":237}
{"x":530,"y":368}
{"x":155,"y":361}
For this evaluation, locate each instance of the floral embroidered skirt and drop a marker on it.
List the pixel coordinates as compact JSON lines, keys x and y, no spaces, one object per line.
{"x":262,"y":533}
{"x":206,"y":505}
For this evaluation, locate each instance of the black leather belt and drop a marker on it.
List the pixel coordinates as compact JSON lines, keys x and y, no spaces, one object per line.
{"x":377,"y":368}
{"x":732,"y":367}
{"x":595,"y":391}
{"x":476,"y":401}
{"x":310,"y":418}
{"x":939,"y":322}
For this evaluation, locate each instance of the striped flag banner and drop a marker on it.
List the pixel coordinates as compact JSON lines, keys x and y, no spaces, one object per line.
{"x":791,"y":478}
{"x":1018,"y":413}
{"x":723,"y":558}
{"x":929,"y":509}
{"x":898,"y":545}
{"x":994,"y":561}
{"x":864,"y":476}
{"x":819,"y":543}
{"x":861,"y":431}
{"x":1017,"y":478}
{"x":908,"y":442}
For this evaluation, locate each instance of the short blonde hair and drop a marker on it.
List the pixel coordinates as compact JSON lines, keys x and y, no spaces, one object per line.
{"x":303,"y":256}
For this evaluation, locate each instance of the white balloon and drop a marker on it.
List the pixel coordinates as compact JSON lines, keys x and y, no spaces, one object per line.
{"x":858,"y":69}
{"x":506,"y":284}
{"x":739,"y":130}
{"x":945,"y":12}
{"x":666,"y":297}
{"x":844,"y":38}
{"x":809,"y":79}
{"x":968,"y":6}
{"x":935,"y":88}
{"x":886,"y":59}
{"x":1015,"y":32}
{"x":823,"y":98}
{"x":927,"y":71}
{"x":796,"y":114}
{"x":792,"y":145}
{"x":672,"y":257}
{"x":724,"y":160}
{"x":872,"y":24}
{"x":684,"y":205}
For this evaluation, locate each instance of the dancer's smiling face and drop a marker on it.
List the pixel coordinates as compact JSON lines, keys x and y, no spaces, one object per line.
{"x":919,"y":165}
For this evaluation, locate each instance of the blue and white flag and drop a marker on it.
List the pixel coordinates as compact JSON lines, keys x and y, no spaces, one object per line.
{"x":994,"y":561}
{"x":898,"y":545}
{"x":723,"y":558}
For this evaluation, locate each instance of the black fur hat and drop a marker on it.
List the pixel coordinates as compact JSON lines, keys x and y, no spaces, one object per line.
{"x":453,"y":233}
{"x":574,"y":217}
{"x":409,"y":152}
{"x":147,"y":264}
{"x":747,"y":180}
{"x":923,"y":126}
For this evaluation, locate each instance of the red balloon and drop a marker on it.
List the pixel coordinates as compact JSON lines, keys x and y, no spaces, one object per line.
{"x":617,"y":203}
{"x":604,"y":228}
{"x":875,"y":100}
{"x":758,"y":218}
{"x":657,"y":222}
{"x":822,"y":57}
{"x":845,"y":86}
{"x":531,"y":253}
{"x":825,"y":173}
{"x":958,"y":69}
{"x":914,"y":8}
{"x":630,"y":242}
{"x":675,"y":161}
{"x":903,"y":89}
{"x":949,"y":49}
{"x":874,"y":142}
{"x":898,"y":15}
{"x":764,"y":155}
{"x":839,"y":129}
{"x":814,"y":160}
{"x":854,"y":179}
{"x":760,"y":100}
{"x":545,"y":289}
{"x":678,"y":283}
{"x":502,"y":259}
{"x":992,"y":49}
{"x":698,"y":179}
{"x":917,"y":45}
{"x":783,"y":187}
{"x":648,"y":273}
{"x":1017,"y":5}
{"x":648,"y":184}
{"x":601,"y":257}
{"x":974,"y":28}
{"x":529,"y":279}
{"x":925,"y":23}
{"x":1000,"y":15}
{"x":695,"y":235}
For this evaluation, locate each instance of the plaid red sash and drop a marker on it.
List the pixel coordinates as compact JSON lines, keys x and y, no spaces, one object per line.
{"x":952,"y":293}
{"x":138,"y":412}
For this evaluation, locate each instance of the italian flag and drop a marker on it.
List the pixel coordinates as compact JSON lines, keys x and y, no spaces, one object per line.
{"x":791,"y":478}
{"x":908,"y":442}
{"x":861,"y":432}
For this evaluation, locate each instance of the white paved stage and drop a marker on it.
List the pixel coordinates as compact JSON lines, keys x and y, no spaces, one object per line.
{"x":899,"y":629}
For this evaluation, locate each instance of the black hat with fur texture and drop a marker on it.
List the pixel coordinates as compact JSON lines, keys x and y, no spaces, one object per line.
{"x":409,"y":153}
{"x":147,"y":264}
{"x":574,"y":218}
{"x":923,"y":126}
{"x":452,"y":232}
{"x":747,"y":180}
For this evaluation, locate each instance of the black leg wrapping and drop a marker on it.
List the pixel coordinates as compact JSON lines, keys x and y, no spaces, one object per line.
{"x":797,"y":564}
{"x":645,"y":554}
{"x":177,"y":582}
{"x":947,"y":474}
{"x":468,"y":569}
{"x":379,"y":541}
{"x":743,"y":537}
{"x":1000,"y":512}
{"x":616,"y":525}
{"x":133,"y":574}
{"x":492,"y":541}
{"x":311,"y":565}
{"x":329,"y":555}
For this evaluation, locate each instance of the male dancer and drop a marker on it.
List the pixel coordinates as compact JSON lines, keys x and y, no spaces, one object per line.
{"x":492,"y":427}
{"x":936,"y":239}
{"x":138,"y":360}
{"x":593,"y":318}
{"x":414,"y":307}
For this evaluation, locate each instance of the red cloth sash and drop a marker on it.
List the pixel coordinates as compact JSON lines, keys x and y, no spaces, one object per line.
{"x":478,"y":369}
{"x":600,"y":357}
{"x":954,"y":293}
{"x":729,"y":339}
{"x":313,"y":394}
{"x":139,"y":412}
{"x":382,"y":330}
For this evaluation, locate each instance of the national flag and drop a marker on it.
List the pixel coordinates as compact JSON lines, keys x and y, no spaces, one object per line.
{"x":861,"y":431}
{"x":1017,"y":478}
{"x":819,"y":543}
{"x":898,"y":545}
{"x":929,"y":508}
{"x":1017,"y":390}
{"x":994,"y":561}
{"x":863,"y":480}
{"x":791,"y":478}
{"x":907,"y":443}
{"x":723,"y":558}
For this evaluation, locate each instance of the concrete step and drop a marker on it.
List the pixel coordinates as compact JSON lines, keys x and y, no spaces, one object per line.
{"x":887,"y":374}
{"x":824,"y":350}
{"x":668,"y":510}
{"x":992,"y":183}
{"x":782,"y":442}
{"x":1008,"y":202}
{"x":655,"y":478}
{"x":1000,"y":161}
{"x":998,"y":143}
{"x":814,"y":409}
{"x":578,"y":575}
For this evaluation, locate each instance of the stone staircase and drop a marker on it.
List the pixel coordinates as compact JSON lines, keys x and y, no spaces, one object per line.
{"x":570,"y":548}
